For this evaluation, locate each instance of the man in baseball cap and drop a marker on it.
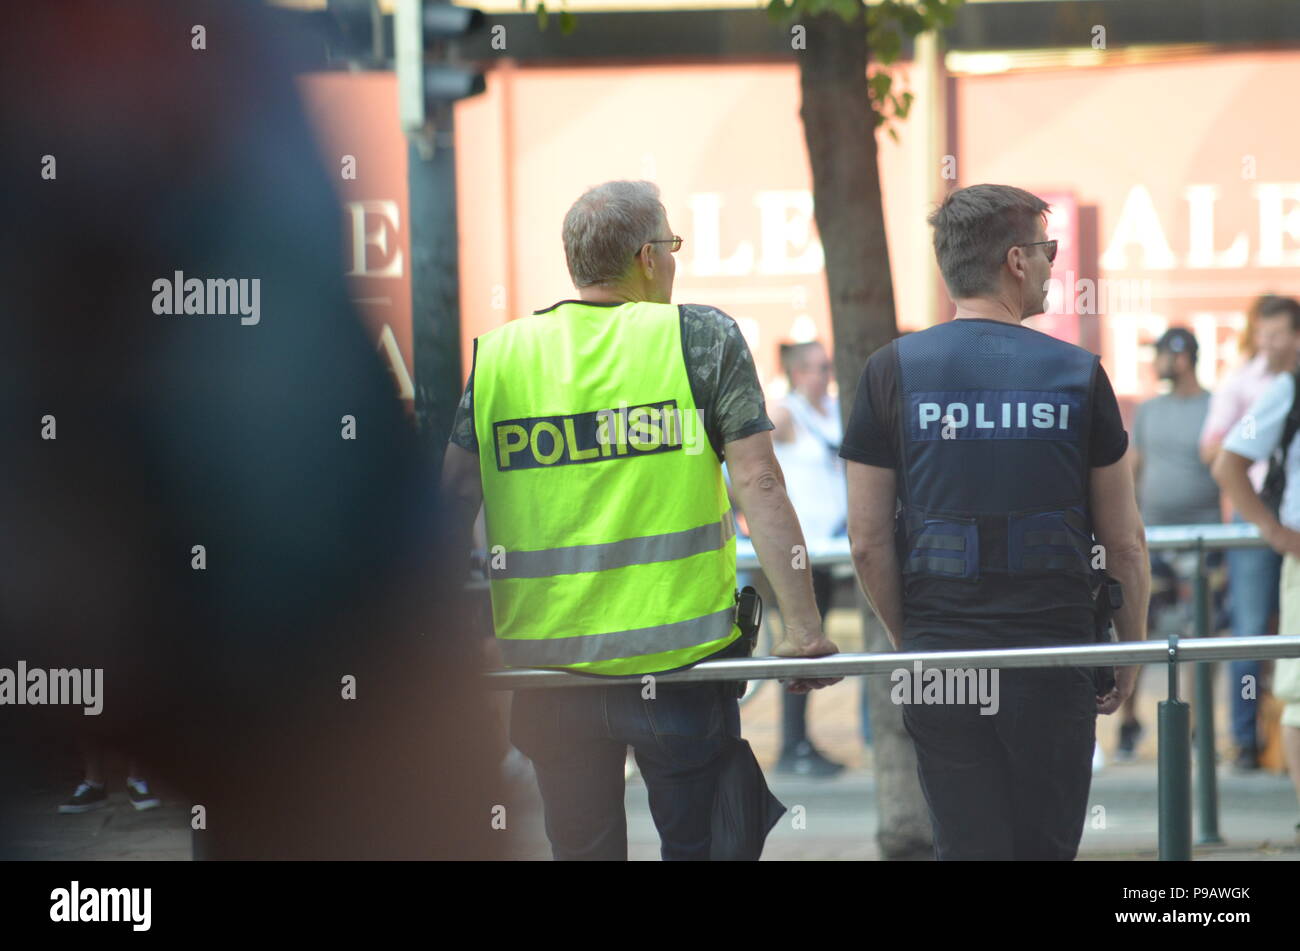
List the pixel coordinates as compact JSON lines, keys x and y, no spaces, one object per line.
{"x":1175,"y":340}
{"x":1174,"y":486}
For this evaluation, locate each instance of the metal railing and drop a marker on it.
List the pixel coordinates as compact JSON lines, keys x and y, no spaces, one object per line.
{"x":835,"y":551}
{"x":1197,"y":538}
{"x":1174,"y":761}
{"x":1173,"y":735}
{"x":1128,"y":653}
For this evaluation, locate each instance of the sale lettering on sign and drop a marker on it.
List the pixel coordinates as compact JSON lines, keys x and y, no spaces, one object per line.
{"x":355,"y":118}
{"x":1167,"y":230}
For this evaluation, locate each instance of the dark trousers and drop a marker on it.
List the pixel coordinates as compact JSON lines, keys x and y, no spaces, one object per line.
{"x":1014,"y":784}
{"x":578,"y":737}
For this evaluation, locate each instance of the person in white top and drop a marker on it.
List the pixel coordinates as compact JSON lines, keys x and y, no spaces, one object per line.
{"x":1253,"y":573}
{"x":807,"y":442}
{"x":807,"y":436}
{"x":1255,"y":438}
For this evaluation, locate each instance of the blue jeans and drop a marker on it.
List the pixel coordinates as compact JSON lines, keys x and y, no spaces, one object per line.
{"x":577,"y":738}
{"x":1253,"y":578}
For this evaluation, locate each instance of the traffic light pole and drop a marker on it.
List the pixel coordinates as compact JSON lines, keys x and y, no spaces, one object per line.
{"x":429,"y":82}
{"x":435,"y":277}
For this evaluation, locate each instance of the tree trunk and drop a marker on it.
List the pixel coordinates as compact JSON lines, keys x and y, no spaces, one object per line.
{"x":902,"y":819}
{"x":839,"y":130}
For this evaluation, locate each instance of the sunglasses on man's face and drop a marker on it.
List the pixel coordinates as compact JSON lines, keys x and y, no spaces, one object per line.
{"x":1050,"y":249}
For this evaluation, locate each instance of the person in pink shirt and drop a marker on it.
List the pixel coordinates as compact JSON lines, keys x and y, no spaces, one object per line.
{"x":1253,"y":573}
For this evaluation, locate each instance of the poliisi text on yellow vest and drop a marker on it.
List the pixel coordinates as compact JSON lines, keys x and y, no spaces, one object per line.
{"x":598,"y":436}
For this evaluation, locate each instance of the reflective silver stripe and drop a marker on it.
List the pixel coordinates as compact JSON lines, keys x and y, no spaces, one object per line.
{"x":559,"y":651}
{"x":548,"y":562}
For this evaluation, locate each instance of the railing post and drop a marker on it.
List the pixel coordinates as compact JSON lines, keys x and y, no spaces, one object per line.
{"x":1174,"y":778}
{"x":1207,"y":788}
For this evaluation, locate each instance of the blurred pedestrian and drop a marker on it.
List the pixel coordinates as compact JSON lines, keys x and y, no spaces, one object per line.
{"x":183,"y":508}
{"x":1174,"y":485}
{"x":1286,"y":688}
{"x":1266,"y":432}
{"x":807,"y":438}
{"x":1253,"y":573}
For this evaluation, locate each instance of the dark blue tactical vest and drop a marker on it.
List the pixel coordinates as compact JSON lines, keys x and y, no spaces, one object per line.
{"x":994,"y":474}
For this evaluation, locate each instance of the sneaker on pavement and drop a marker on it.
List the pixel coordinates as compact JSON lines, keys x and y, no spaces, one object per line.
{"x":1130,"y":732}
{"x":87,"y":797}
{"x":806,"y":760}
{"x":137,"y":790}
{"x":1247,"y":760}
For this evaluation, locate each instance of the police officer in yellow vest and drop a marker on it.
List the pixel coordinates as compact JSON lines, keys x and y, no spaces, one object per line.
{"x":593,"y":433}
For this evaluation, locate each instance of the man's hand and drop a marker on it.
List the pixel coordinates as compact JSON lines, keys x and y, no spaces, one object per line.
{"x":1283,"y":540}
{"x":1125,"y":682}
{"x":811,"y":644}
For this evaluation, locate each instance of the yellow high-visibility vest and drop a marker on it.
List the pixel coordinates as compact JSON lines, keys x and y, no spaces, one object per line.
{"x":611,"y":541}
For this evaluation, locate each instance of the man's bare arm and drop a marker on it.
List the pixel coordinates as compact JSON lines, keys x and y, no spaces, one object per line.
{"x":1232,"y":472}
{"x":759,"y":487}
{"x":461,"y":493}
{"x":1119,"y":529}
{"x":1135,"y":460}
{"x":872,"y":502}
{"x":783,"y":420}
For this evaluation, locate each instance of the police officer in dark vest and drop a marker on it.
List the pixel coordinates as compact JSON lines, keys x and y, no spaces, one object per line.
{"x":986,"y":485}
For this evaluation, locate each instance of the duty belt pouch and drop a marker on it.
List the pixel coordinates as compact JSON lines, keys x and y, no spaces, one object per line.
{"x":1048,"y":541}
{"x":946,"y":546}
{"x":1107,"y":598}
{"x":749,"y":616}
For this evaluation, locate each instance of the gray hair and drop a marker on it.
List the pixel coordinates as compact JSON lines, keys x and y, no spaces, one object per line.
{"x":606,"y":228}
{"x":973,"y":230}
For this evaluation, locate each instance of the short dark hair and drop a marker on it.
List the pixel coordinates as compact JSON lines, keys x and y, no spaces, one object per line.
{"x":973,"y":230}
{"x":1271,"y":305}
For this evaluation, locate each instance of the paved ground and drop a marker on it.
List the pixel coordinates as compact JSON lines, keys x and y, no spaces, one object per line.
{"x":1257,"y":818}
{"x":1258,"y":811}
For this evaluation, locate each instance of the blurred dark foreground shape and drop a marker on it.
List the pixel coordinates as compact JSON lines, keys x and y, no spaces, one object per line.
{"x":178,"y":431}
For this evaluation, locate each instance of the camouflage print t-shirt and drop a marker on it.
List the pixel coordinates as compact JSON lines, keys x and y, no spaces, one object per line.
{"x":724,"y":382}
